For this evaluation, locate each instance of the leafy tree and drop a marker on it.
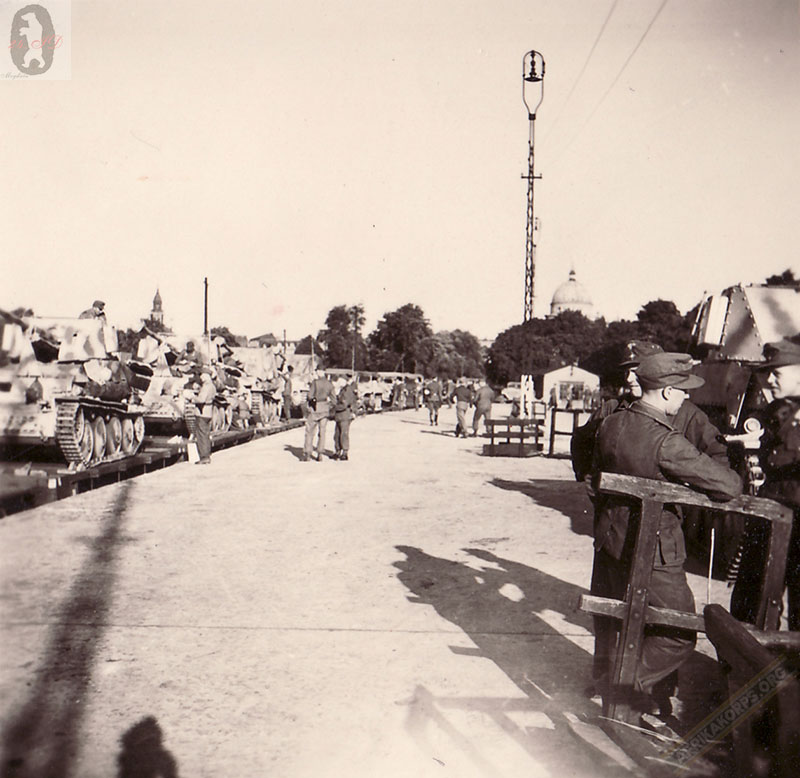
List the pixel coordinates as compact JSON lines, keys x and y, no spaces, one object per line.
{"x":450,"y":355}
{"x":784,"y":279}
{"x":304,"y":346}
{"x":342,"y":339}
{"x":661,"y":322}
{"x":395,"y":341}
{"x":128,"y":340}
{"x":542,"y":344}
{"x":229,"y":337}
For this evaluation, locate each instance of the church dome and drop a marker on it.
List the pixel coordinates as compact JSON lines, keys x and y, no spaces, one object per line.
{"x":571,"y":296}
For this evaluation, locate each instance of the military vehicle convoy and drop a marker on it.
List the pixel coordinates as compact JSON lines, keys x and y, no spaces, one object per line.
{"x":63,"y":388}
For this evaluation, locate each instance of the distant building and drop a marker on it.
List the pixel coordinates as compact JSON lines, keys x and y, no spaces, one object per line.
{"x":157,"y":314}
{"x":268,"y":339}
{"x":572,"y":296}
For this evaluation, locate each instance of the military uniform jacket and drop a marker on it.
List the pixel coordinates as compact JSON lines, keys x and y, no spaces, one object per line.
{"x":640,"y":441}
{"x":780,"y":454}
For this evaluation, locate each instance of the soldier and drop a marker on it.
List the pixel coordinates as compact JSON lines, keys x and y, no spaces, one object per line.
{"x":320,"y":399}
{"x":433,"y":399}
{"x":689,"y":420}
{"x":287,"y":393}
{"x":463,"y":398}
{"x":780,"y":460}
{"x":205,"y":405}
{"x":344,"y":413}
{"x":483,"y":406}
{"x":639,"y":440}
{"x":97,"y":311}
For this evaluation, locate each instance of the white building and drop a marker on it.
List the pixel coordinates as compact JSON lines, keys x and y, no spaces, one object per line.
{"x":572,"y":296}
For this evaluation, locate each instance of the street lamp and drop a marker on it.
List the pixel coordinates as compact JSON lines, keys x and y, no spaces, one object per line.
{"x":532,"y":95}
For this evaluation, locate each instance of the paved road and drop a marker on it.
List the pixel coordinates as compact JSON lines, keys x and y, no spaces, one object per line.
{"x":411,"y":612}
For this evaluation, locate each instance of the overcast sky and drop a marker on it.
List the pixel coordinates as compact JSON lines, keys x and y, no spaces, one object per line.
{"x":308,"y":154}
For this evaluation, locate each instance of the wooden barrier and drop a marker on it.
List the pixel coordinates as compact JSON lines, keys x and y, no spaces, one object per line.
{"x":515,"y":432}
{"x":634,"y":612}
{"x":554,"y":431}
{"x":747,"y":667}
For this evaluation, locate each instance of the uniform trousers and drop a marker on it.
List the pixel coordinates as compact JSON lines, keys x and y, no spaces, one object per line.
{"x":202,"y":433}
{"x":316,"y":422}
{"x":341,"y":432}
{"x":664,"y":649}
{"x":461,"y":416}
{"x":480,"y":410}
{"x":287,"y":406}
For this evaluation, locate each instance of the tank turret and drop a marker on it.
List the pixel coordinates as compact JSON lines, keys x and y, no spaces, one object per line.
{"x":63,"y":387}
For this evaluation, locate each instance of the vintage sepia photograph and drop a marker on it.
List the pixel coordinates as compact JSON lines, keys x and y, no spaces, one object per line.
{"x":404,"y":389}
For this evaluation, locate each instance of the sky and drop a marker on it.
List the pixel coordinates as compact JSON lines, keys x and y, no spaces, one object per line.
{"x":310,"y":154}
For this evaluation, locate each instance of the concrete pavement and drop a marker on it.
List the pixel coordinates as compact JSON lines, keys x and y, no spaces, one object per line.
{"x":411,"y":612}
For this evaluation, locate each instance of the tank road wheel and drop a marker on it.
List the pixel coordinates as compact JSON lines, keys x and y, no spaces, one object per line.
{"x":113,"y":436}
{"x":217,"y":419}
{"x":127,"y":437}
{"x":138,"y":432}
{"x":257,"y":409}
{"x":100,"y":438}
{"x":86,"y":443}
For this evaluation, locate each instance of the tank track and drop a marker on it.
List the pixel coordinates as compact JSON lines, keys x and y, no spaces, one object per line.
{"x":74,"y":414}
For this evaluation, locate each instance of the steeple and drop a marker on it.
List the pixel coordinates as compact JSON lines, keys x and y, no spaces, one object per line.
{"x":157,"y":314}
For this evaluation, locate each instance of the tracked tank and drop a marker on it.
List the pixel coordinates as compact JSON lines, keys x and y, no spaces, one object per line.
{"x":63,"y":390}
{"x":730,"y":332}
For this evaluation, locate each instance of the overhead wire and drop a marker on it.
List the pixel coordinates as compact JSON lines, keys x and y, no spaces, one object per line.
{"x":615,"y":81}
{"x":582,"y":71}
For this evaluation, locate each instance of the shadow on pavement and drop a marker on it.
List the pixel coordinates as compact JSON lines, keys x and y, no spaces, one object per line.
{"x":43,"y":739}
{"x":506,"y":628}
{"x":296,"y":450}
{"x":567,"y":497}
{"x":143,"y":754}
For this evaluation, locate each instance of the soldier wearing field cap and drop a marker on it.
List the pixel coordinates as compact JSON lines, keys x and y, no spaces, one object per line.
{"x":641,"y":441}
{"x":780,"y":459}
{"x":692,"y":422}
{"x":97,"y":311}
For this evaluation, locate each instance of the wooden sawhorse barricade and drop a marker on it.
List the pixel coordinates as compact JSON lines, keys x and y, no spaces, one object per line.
{"x":755,"y":676}
{"x":515,"y":432}
{"x":634,"y":612}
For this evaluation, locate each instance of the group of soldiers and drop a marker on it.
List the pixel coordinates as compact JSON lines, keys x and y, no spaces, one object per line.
{"x":465,"y":394}
{"x":654,"y":431}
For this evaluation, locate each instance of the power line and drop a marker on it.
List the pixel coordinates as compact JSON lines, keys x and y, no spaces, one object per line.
{"x":616,"y":79}
{"x":583,"y":69}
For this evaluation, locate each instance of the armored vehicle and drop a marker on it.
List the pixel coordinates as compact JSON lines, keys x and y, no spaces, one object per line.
{"x":729,"y":334}
{"x":63,"y":388}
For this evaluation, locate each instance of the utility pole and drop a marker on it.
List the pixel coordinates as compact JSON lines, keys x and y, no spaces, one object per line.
{"x":205,"y":306}
{"x":532,"y":88}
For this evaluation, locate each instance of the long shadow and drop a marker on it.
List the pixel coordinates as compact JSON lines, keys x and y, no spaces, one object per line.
{"x":499,"y":610}
{"x":42,"y":740}
{"x":143,"y":754}
{"x":567,"y":497}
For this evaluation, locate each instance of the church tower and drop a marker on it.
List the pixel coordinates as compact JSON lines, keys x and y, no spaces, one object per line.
{"x":157,"y":314}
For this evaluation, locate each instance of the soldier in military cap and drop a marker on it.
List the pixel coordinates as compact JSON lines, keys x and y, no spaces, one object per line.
{"x":97,"y":311}
{"x":640,"y":440}
{"x":689,"y":420}
{"x":780,"y":459}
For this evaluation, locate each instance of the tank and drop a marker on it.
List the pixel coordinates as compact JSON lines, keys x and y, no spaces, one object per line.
{"x":63,"y":388}
{"x":259,"y":381}
{"x":729,"y":335}
{"x":730,"y":332}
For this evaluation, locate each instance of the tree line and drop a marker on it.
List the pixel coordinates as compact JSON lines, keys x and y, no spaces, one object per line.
{"x":403,"y":341}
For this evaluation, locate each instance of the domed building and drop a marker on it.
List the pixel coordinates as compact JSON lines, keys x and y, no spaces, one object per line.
{"x":572,"y":296}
